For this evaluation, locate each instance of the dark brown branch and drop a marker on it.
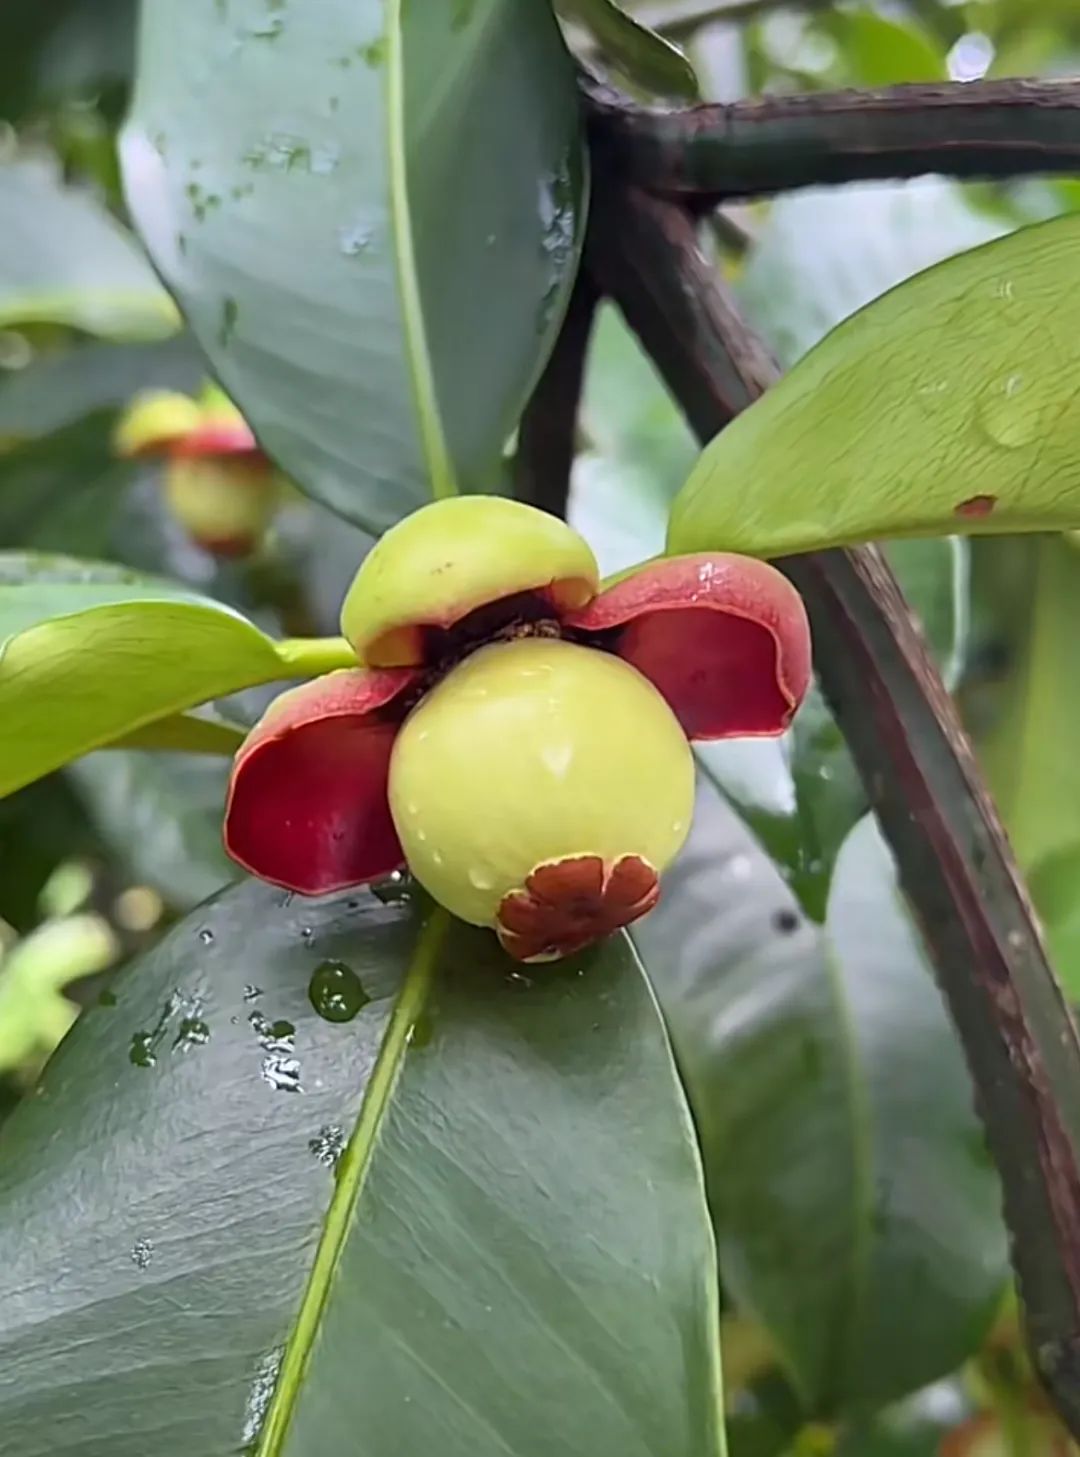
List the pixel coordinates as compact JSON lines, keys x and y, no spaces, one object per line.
{"x":954,"y":863}
{"x":751,"y":148}
{"x":547,"y":438}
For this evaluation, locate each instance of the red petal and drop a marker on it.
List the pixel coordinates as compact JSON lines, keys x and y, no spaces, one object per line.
{"x":724,"y":638}
{"x":307,"y":805}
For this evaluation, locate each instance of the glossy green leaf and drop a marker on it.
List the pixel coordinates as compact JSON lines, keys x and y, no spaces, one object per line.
{"x":193,"y":733}
{"x":1028,"y":755}
{"x":63,"y":260}
{"x":867,"y":238}
{"x":947,"y":404}
{"x":855,"y":1205}
{"x":161,"y":816}
{"x":645,"y":58}
{"x":93,"y":380}
{"x":877,"y":51}
{"x":61,"y":491}
{"x":469,"y":1220}
{"x":371,"y":213}
{"x":90,"y":653}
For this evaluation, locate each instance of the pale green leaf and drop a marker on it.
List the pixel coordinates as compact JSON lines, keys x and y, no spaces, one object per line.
{"x":950,"y":403}
{"x":91,"y":653}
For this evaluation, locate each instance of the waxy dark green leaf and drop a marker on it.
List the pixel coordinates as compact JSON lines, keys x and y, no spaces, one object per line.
{"x":478,"y":1229}
{"x":337,"y":193}
{"x":856,"y":1209}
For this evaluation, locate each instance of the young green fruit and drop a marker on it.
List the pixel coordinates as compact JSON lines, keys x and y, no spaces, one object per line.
{"x":540,"y":789}
{"x":225,"y":504}
{"x":453,"y":557}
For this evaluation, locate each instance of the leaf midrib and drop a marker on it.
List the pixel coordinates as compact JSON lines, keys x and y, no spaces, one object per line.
{"x":417,"y":354}
{"x":351,"y":1179}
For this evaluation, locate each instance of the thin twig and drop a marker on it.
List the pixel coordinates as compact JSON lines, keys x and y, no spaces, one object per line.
{"x":753,"y":148}
{"x":954,"y":863}
{"x":547,"y":438}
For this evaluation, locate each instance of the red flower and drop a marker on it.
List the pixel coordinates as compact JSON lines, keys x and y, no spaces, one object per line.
{"x":540,"y":786}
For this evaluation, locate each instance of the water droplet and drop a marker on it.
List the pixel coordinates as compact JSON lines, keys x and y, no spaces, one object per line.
{"x":422,"y":1031}
{"x":392,"y":891}
{"x":230,"y":312}
{"x":142,"y":1252}
{"x":558,"y":223}
{"x":268,"y":29}
{"x":324,"y":160}
{"x":328,"y":1145}
{"x":354,"y":239}
{"x":144,"y":1045}
{"x":206,"y":936}
{"x":1009,"y":413}
{"x":280,"y":1066}
{"x":374,"y":53}
{"x":336,"y":991}
{"x":192,"y":1032}
{"x":252,"y":993}
{"x":519,"y":980}
{"x":557,"y":759}
{"x":260,"y":1395}
{"x":479,"y":879}
{"x":306,"y":933}
{"x":141,"y":1051}
{"x":279,"y":151}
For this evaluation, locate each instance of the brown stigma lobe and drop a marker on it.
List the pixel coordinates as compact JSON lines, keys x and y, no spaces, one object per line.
{"x":566,"y":905}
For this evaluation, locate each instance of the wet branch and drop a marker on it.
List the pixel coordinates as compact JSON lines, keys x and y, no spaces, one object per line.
{"x":548,"y":435}
{"x":954,"y":863}
{"x":751,"y":148}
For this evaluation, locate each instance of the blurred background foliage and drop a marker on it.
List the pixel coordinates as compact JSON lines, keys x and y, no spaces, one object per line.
{"x":868,"y":1312}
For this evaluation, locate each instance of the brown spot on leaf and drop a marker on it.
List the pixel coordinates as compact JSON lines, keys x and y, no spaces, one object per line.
{"x":976,"y":506}
{"x":568,"y":904}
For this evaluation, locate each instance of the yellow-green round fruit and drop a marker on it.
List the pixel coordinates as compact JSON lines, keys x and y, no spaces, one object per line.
{"x":447,"y":559}
{"x":154,"y":420}
{"x":540,"y":789}
{"x":224,"y":504}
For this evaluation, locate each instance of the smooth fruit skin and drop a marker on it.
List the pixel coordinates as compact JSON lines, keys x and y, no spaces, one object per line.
{"x":529,"y":753}
{"x":224,"y":504}
{"x":454,"y":556}
{"x":154,"y":421}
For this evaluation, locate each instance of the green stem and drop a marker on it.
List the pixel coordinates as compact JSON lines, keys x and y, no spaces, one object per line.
{"x":308,"y":657}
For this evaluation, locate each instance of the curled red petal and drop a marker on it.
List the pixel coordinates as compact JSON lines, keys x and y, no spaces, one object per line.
{"x":724,"y":638}
{"x":307,"y":806}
